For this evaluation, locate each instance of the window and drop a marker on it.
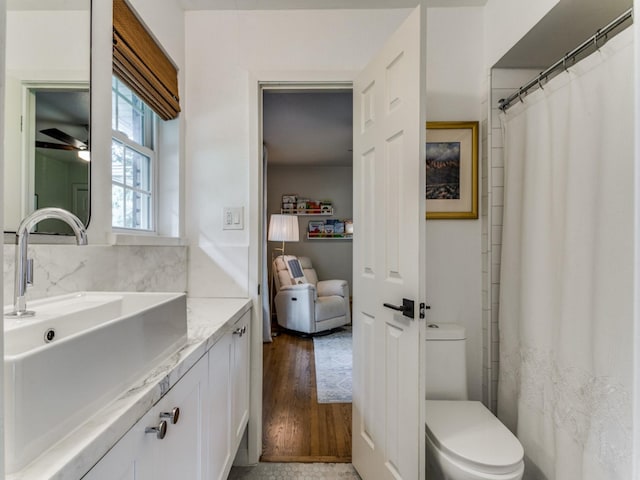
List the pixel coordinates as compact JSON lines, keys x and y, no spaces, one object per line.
{"x":133,"y":160}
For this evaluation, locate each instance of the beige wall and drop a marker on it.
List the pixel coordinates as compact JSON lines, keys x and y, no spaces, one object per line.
{"x":332,"y":259}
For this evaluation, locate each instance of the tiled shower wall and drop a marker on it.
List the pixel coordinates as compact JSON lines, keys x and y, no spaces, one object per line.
{"x":502,"y":82}
{"x":484,"y":217}
{"x":60,"y":269}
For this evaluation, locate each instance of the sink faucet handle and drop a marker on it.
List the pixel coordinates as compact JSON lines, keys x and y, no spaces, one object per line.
{"x":29,"y":271}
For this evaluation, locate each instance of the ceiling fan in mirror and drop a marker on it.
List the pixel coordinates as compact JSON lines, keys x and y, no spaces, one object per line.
{"x":68,"y":143}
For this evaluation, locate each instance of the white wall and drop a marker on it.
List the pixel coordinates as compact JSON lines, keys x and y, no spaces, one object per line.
{"x":332,"y":259}
{"x":224,"y":52}
{"x":507,"y":21}
{"x":455,"y":79}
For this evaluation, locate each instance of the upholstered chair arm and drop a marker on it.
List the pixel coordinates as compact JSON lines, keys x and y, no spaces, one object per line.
{"x":333,"y":287}
{"x":301,"y":289}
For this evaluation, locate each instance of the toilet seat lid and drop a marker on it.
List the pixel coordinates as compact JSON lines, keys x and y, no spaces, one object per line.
{"x":471,"y":434}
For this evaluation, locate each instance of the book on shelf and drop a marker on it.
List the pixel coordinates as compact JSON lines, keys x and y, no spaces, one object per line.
{"x":330,"y":228}
{"x":316,"y":226}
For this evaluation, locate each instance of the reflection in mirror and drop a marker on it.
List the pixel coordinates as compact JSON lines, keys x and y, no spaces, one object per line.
{"x":61,"y":167}
{"x":47,"y":114}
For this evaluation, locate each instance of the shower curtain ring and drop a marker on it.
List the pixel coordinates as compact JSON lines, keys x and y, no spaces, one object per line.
{"x":540,"y":82}
{"x":520,"y":95}
{"x":564,"y":63}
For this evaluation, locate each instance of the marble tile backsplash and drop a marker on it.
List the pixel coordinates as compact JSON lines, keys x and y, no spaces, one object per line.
{"x":60,"y":269}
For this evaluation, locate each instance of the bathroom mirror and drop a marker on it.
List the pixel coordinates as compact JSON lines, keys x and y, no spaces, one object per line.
{"x":47,"y":110}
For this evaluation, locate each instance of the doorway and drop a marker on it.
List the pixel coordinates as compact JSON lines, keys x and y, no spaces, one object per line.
{"x":307,"y":137}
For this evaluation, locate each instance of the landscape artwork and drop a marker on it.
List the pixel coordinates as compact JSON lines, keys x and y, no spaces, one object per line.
{"x":443,"y":170}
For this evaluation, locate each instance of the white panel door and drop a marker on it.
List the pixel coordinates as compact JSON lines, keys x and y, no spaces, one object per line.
{"x":389,"y":216}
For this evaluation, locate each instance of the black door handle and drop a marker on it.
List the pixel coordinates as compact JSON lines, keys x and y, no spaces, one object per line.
{"x":394,"y":307}
{"x":406,"y":308}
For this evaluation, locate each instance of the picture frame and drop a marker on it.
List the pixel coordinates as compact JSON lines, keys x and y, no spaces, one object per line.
{"x":452,"y":170}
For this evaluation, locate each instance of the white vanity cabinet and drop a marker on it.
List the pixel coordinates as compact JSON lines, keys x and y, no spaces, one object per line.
{"x":213,"y":402}
{"x":141,"y":454}
{"x":228,"y":396}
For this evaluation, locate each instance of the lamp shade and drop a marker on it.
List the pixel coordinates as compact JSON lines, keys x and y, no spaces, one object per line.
{"x":283,"y":228}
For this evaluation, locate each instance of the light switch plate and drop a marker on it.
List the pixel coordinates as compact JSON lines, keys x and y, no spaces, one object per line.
{"x":233,"y":218}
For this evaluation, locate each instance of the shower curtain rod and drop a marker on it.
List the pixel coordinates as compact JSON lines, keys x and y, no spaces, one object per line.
{"x":524,"y":90}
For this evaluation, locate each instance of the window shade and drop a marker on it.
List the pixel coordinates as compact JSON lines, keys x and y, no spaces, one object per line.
{"x":141,"y":63}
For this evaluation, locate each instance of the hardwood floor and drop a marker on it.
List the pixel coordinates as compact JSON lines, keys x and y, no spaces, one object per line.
{"x":296,"y":428}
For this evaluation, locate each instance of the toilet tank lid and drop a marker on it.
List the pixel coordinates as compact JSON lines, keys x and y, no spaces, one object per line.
{"x":445,"y":331}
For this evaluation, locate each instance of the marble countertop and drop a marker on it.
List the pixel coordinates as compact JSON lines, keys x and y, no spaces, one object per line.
{"x":73,"y":456}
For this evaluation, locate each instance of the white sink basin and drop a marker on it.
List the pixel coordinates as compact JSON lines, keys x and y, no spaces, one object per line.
{"x":100,"y":342}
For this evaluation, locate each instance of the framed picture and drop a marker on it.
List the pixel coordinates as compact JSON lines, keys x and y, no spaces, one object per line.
{"x":452,"y":170}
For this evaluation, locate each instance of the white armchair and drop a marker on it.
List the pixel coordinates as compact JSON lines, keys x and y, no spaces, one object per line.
{"x":305,"y":304}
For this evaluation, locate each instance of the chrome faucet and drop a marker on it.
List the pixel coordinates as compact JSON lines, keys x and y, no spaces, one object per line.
{"x":24,"y":265}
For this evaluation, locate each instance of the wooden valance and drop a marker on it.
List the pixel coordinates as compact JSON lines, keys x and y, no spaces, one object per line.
{"x":140,"y":63}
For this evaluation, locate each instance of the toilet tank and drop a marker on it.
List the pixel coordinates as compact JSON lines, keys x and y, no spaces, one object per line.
{"x":446,"y":368}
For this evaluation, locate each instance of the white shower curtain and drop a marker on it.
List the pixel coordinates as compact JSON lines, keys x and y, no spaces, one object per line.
{"x":566,"y":295}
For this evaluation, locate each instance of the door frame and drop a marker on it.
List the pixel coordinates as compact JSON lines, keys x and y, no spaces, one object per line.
{"x":258,"y":81}
{"x":287,"y":86}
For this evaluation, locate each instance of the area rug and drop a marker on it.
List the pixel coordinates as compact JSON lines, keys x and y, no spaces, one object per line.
{"x":333,"y":357}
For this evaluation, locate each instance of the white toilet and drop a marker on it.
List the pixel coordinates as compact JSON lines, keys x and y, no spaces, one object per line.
{"x":465,"y":441}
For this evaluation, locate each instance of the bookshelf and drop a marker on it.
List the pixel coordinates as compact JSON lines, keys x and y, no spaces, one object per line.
{"x":308,"y":212}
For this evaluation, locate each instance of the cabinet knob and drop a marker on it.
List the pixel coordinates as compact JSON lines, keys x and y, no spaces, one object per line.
{"x":160,"y":430}
{"x":240,"y":330}
{"x":174,"y":415}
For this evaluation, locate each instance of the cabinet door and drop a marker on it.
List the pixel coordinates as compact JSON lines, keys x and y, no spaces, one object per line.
{"x":240,"y":378}
{"x":132,"y":458}
{"x":140,"y":455}
{"x":219,"y":406}
{"x":181,"y":453}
